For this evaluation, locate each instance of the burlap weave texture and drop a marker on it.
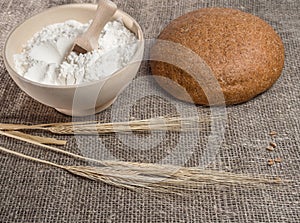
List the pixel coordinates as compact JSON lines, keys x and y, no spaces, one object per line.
{"x":31,"y":192}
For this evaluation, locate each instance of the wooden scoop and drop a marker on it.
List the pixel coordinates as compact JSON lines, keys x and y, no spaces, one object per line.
{"x":88,"y":41}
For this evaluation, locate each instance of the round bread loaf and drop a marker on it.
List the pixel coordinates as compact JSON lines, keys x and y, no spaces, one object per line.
{"x":244,"y":53}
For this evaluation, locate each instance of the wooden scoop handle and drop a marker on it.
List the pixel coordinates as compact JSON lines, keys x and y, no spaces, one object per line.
{"x":106,"y":9}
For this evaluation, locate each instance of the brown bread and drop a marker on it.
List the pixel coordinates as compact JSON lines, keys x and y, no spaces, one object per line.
{"x":244,"y":53}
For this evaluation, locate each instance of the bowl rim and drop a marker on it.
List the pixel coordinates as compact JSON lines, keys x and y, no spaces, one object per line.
{"x":134,"y":59}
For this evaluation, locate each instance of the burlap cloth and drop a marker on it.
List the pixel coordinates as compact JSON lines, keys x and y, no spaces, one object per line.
{"x":31,"y":192}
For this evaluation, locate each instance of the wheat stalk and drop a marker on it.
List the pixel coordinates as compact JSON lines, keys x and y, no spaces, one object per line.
{"x":48,"y":147}
{"x":153,"y":124}
{"x":39,"y":139}
{"x":155,"y":177}
{"x":136,"y":176}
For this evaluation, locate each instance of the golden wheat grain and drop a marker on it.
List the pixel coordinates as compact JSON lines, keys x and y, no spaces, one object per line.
{"x":154,"y":124}
{"x":154,"y":177}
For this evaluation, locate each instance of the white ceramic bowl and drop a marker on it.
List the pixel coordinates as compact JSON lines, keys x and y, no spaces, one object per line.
{"x":76,"y":100}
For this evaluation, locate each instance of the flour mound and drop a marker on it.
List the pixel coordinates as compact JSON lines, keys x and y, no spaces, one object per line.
{"x":43,"y":57}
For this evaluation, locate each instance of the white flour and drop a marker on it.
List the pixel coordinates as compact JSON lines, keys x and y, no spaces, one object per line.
{"x":42,"y":59}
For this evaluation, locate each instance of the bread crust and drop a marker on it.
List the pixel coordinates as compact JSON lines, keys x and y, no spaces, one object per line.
{"x":244,"y":53}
